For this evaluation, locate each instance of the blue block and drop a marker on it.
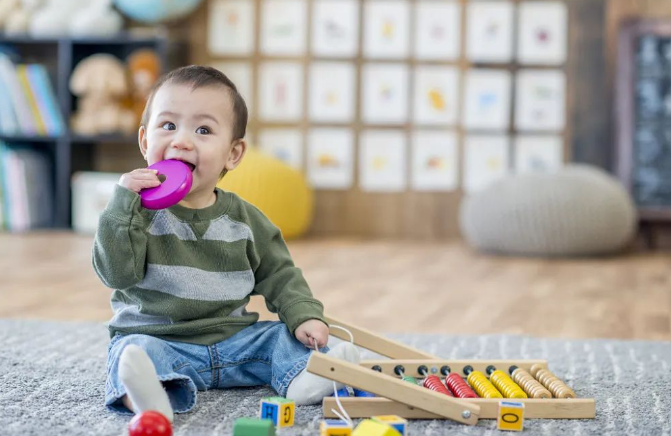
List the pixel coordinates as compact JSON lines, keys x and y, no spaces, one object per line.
{"x":360,"y":393}
{"x":342,"y":393}
{"x":269,"y":411}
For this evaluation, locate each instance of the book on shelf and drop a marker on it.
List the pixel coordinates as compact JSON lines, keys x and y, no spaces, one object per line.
{"x":28,"y":104}
{"x":26,"y":194}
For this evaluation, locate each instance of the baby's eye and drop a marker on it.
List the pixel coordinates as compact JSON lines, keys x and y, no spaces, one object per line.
{"x":203,"y":130}
{"x":169,"y":126}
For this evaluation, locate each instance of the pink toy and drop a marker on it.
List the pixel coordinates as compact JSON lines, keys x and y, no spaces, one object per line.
{"x":177,"y":184}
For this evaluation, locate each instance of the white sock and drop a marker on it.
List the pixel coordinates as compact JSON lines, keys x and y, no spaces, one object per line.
{"x":138,"y":375}
{"x":309,"y":388}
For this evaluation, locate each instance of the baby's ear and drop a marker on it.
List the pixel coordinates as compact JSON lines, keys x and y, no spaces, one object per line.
{"x":238,"y":150}
{"x":142,"y":141}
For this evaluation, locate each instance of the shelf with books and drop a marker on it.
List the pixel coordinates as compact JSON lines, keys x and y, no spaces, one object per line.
{"x":40,"y":81}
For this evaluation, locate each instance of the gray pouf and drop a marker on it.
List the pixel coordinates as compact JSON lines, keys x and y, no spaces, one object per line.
{"x":577,"y":210}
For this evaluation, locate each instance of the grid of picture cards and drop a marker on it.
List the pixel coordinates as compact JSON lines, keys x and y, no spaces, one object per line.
{"x":398,"y":95}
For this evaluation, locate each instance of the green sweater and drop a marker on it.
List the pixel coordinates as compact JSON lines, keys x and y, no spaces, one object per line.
{"x":187,"y":274}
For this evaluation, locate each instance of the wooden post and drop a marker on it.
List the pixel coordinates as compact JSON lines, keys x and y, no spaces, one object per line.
{"x":371,"y":341}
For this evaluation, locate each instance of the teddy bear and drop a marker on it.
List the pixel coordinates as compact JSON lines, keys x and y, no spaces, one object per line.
{"x":16,"y":15}
{"x":100,"y":82}
{"x":144,"y":68}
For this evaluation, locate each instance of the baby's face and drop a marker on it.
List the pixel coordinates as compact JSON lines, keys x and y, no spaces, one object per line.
{"x":194,"y":126}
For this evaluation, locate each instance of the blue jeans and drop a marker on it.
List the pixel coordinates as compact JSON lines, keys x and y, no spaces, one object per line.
{"x":265,"y":353}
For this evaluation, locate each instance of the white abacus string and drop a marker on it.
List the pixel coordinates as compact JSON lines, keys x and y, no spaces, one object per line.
{"x":344,"y":416}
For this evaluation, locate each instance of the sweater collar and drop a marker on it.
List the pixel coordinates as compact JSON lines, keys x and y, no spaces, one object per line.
{"x":217,"y":209}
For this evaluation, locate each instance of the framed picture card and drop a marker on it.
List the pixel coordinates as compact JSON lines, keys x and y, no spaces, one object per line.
{"x":487,"y":100}
{"x":332,"y":92}
{"x":330,"y":161}
{"x":386,"y":29}
{"x":538,"y":153}
{"x":385,"y":93}
{"x":283,"y":27}
{"x":335,"y":28}
{"x":437,"y":30}
{"x":540,"y":100}
{"x":434,"y":160}
{"x":240,"y":74}
{"x":486,"y":159}
{"x":230,"y":27}
{"x":542,"y":36}
{"x":280,"y":91}
{"x":284,"y":144}
{"x":436,"y":95}
{"x":382,"y":159}
{"x":489,"y":31}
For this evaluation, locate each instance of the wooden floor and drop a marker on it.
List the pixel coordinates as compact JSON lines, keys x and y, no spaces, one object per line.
{"x":390,"y":287}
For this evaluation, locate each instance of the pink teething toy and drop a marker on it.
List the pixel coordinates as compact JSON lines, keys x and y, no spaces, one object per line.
{"x":177,"y":184}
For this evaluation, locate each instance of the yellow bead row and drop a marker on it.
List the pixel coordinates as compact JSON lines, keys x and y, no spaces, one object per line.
{"x":482,"y":386}
{"x":506,"y":385}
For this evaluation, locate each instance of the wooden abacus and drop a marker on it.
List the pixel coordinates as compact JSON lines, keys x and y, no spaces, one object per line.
{"x":397,"y":397}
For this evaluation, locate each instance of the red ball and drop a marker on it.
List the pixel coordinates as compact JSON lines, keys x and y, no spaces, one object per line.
{"x":149,"y":423}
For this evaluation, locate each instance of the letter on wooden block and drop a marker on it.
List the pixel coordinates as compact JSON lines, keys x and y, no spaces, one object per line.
{"x":279,"y":410}
{"x":511,"y":416}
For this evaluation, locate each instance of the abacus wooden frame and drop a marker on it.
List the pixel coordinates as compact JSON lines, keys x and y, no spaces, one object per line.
{"x":405,"y":402}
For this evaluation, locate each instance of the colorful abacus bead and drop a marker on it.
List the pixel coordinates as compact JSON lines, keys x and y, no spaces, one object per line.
{"x":360,"y":393}
{"x":558,"y":388}
{"x":504,"y":383}
{"x":531,"y":386}
{"x":341,"y":393}
{"x":433,"y":382}
{"x":480,"y":384}
{"x":456,"y":384}
{"x":279,"y":410}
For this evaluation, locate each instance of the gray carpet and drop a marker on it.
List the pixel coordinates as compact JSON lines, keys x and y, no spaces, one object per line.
{"x":52,"y":383}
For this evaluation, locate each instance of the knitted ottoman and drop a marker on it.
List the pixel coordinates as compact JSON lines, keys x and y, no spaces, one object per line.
{"x":577,"y":210}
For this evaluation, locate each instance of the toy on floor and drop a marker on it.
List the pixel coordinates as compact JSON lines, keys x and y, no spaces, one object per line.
{"x":149,"y":423}
{"x":541,"y":392}
{"x":368,"y":427}
{"x":511,"y":416}
{"x":400,"y":424}
{"x":253,"y":427}
{"x":335,"y":427}
{"x":279,"y":410}
{"x":177,"y":184}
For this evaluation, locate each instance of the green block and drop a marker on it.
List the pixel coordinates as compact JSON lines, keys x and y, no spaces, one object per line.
{"x":277,"y":400}
{"x":253,"y":427}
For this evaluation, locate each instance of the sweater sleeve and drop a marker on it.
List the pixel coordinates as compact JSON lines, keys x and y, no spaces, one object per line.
{"x":279,"y":281}
{"x":120,"y":244}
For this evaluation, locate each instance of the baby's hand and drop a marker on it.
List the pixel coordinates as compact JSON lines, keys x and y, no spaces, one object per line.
{"x":140,"y":179}
{"x":312,"y":331}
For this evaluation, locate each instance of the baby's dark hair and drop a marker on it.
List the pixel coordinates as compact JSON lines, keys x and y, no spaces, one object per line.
{"x":199,"y":76}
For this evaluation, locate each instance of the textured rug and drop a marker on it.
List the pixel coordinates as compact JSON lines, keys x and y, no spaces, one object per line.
{"x":52,"y":379}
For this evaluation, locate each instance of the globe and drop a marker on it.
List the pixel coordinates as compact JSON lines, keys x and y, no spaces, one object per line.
{"x":156,"y":11}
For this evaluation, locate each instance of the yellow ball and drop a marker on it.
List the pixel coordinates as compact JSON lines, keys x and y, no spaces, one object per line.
{"x":279,"y":191}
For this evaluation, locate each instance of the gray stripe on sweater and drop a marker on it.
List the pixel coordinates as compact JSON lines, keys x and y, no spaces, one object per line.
{"x":128,"y":315}
{"x":225,"y":229}
{"x":165,"y":223}
{"x":196,"y":284}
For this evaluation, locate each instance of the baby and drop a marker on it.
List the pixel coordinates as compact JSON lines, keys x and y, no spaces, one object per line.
{"x":183,"y":276}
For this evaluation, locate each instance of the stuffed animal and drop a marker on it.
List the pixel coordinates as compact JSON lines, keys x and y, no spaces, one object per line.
{"x":16,"y":18}
{"x":96,"y":19}
{"x":101,"y":83}
{"x":144,"y":67}
{"x":53,"y":19}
